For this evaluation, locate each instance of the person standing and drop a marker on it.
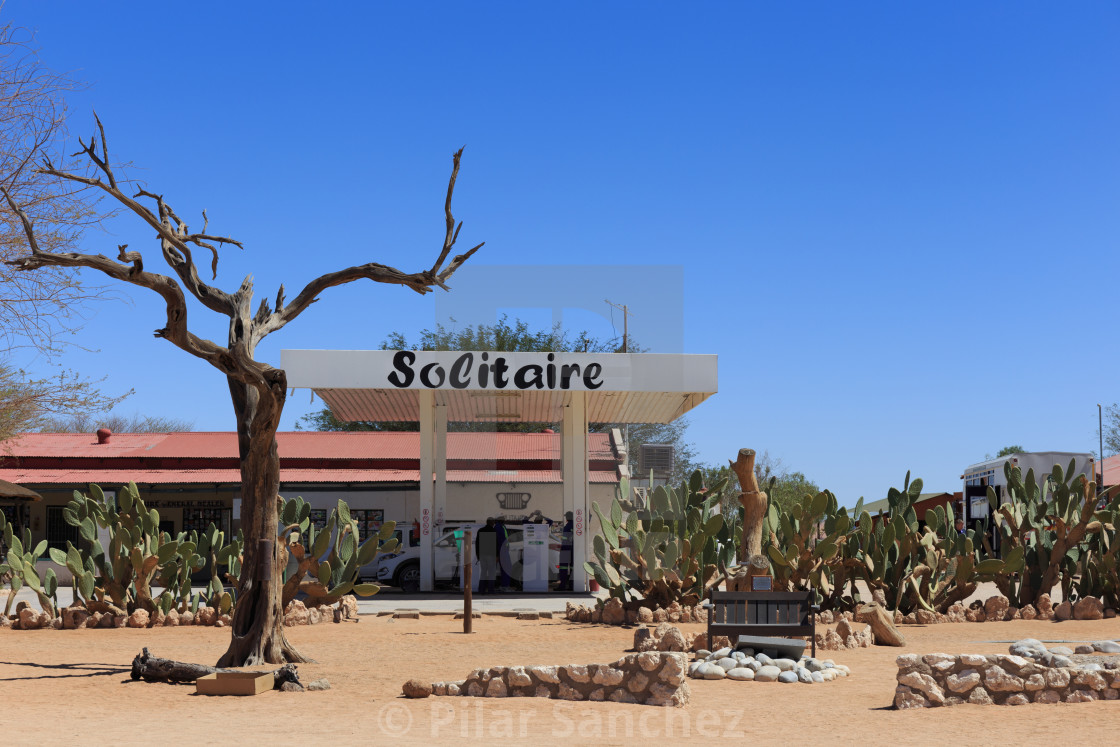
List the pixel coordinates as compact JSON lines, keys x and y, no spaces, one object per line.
{"x":486,"y":549}
{"x":504,"y":562}
{"x":567,"y":542}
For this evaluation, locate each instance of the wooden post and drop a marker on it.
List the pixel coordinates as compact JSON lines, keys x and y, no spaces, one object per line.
{"x":468,"y":581}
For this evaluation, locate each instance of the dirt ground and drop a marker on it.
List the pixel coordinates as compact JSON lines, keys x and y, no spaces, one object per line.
{"x":73,"y":685}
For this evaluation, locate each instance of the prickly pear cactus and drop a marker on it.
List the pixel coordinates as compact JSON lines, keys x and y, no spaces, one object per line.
{"x":138,"y":553}
{"x":19,"y":566}
{"x":805,"y":544}
{"x":670,"y":551}
{"x":1054,"y":527}
{"x":327,"y":562}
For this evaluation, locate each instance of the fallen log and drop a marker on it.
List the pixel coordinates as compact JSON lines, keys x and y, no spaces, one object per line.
{"x":154,"y":669}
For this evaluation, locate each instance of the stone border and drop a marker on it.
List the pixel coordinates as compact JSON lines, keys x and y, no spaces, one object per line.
{"x":930,"y":680}
{"x":996,"y":608}
{"x":650,"y":678}
{"x":108,"y":616}
{"x":612,"y":612}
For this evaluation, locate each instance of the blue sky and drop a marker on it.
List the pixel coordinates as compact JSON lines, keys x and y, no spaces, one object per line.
{"x":896,"y":224}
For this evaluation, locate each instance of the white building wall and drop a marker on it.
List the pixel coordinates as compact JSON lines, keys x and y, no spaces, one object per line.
{"x":466,"y":502}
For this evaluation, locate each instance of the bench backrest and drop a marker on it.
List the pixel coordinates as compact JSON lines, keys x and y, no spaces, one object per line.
{"x":761,"y":607}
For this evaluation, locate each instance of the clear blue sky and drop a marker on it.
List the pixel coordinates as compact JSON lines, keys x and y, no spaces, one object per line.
{"x":896,"y":224}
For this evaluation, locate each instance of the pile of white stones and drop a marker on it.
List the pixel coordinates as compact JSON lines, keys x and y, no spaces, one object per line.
{"x":745,"y":665}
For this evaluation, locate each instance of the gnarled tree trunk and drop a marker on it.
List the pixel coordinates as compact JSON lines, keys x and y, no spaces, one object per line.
{"x":257,"y":625}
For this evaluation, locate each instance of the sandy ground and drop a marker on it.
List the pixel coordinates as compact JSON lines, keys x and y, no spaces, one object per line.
{"x":74,"y":686}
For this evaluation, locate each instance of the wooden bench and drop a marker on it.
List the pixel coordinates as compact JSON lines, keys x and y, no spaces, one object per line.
{"x":780,"y":613}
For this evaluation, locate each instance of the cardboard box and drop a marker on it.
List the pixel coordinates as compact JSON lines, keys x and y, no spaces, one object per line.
{"x":234,"y":683}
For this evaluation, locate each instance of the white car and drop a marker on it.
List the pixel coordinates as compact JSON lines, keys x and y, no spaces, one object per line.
{"x":402,"y":568}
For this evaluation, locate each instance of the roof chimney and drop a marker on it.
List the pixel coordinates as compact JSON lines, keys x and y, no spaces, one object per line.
{"x":103,"y":435}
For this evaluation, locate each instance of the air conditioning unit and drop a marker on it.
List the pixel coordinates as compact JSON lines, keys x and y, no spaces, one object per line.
{"x":655,"y":458}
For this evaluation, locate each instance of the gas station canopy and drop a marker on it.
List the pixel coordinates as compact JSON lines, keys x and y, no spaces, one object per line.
{"x":435,"y":387}
{"x":385,"y":385}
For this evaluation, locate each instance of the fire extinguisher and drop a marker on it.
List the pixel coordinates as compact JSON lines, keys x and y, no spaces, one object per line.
{"x":415,"y":531}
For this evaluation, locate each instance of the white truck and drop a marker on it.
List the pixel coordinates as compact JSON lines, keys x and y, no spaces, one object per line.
{"x":978,"y":477}
{"x":402,"y":568}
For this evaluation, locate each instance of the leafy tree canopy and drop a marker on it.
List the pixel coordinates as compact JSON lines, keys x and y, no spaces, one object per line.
{"x":1111,"y":427}
{"x":1006,"y":451}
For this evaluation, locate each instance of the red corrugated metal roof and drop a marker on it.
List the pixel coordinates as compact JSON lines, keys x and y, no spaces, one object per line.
{"x":300,"y":445}
{"x":1111,"y":467}
{"x":233,"y":476}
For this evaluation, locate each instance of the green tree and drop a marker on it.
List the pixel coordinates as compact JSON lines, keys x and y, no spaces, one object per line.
{"x":1111,"y":426}
{"x":503,"y":336}
{"x":1006,"y":451}
{"x":783,"y":486}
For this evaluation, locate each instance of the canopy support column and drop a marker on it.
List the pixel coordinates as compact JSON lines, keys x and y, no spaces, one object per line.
{"x":427,"y":432}
{"x":440,"y":447}
{"x":574,"y":456}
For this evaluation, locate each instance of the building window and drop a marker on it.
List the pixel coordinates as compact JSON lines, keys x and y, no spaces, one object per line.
{"x":369,"y":521}
{"x":58,"y":531}
{"x":11,"y":516}
{"x":318,"y":519}
{"x":199,"y":519}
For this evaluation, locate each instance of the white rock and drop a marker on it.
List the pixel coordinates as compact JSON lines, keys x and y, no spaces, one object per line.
{"x":727,"y":663}
{"x":768,"y":673}
{"x":714,"y":672}
{"x":741,"y":673}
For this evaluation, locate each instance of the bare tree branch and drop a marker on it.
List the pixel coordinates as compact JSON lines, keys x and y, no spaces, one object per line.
{"x":421,"y":282}
{"x":247,"y":329}
{"x":36,"y":310}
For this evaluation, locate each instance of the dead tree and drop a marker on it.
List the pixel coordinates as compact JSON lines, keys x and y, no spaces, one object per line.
{"x":257,"y":389}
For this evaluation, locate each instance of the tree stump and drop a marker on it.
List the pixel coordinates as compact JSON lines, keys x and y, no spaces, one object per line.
{"x":754,"y":504}
{"x":882,"y":625}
